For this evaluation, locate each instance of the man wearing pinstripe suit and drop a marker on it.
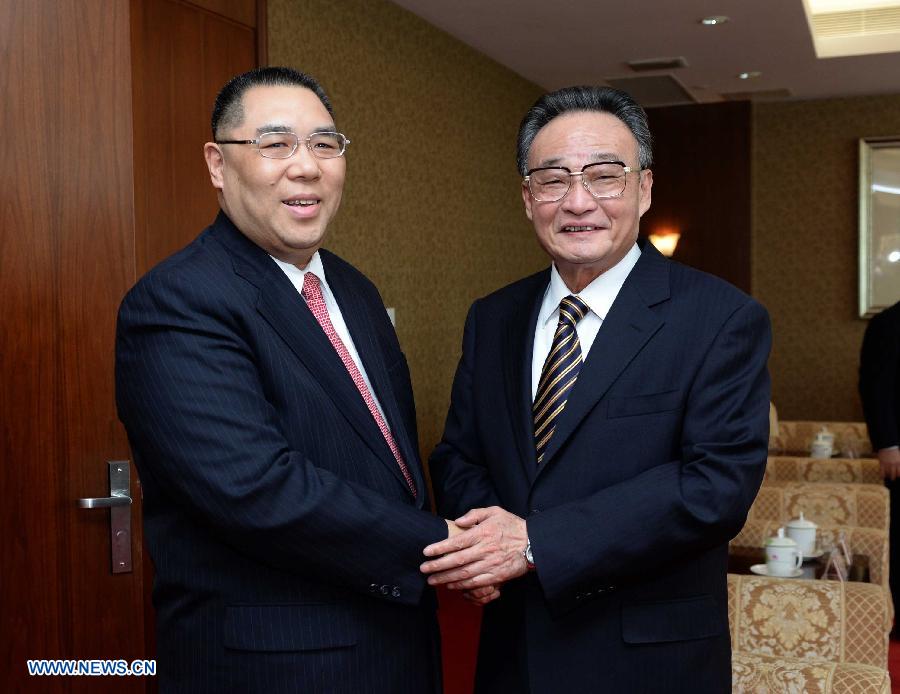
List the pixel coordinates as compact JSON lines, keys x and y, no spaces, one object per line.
{"x":270,"y":413}
{"x":609,"y":416}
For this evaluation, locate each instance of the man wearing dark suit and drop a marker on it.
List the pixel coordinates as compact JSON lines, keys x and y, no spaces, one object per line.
{"x":879,"y":390}
{"x":605,"y":479}
{"x":271,"y":417}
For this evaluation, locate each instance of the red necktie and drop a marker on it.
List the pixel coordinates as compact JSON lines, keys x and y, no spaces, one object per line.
{"x":312,"y":292}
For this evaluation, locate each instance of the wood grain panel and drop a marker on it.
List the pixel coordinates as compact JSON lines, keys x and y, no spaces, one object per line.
{"x":96,"y":267}
{"x":701,"y":186}
{"x":67,"y":257}
{"x":242,"y":11}
{"x":181,"y":58}
{"x":29,"y":410}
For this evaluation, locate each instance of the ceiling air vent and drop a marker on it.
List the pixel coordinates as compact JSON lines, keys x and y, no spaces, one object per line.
{"x":855,"y":32}
{"x":855,"y":23}
{"x":655,"y":90}
{"x":656,"y":64}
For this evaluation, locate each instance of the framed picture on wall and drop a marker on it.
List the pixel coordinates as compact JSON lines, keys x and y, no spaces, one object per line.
{"x":879,"y":224}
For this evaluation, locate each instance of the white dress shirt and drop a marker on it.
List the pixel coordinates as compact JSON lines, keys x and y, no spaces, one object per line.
{"x":598,"y":295}
{"x":296,"y":275}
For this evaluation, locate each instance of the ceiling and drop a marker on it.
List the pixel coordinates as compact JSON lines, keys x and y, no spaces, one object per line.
{"x":555,"y":43}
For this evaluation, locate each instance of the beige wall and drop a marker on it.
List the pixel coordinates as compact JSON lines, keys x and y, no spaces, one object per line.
{"x":432,"y":210}
{"x":805,"y":234}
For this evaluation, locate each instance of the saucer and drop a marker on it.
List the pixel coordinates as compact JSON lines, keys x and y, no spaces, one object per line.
{"x":761,"y":570}
{"x":815,"y":555}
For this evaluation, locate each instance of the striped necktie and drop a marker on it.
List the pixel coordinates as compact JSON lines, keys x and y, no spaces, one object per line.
{"x":559,"y":373}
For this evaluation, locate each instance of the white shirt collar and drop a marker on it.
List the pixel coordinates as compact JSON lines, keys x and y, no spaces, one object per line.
{"x":598,"y":295}
{"x":296,"y":275}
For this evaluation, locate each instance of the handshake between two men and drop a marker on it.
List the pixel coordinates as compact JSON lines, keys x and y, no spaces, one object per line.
{"x":485,"y":549}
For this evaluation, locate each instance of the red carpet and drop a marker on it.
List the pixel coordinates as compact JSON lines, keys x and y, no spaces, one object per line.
{"x":460,"y":622}
{"x":894,"y":666}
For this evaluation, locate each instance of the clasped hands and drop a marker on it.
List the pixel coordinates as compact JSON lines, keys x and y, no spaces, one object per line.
{"x":483,"y":551}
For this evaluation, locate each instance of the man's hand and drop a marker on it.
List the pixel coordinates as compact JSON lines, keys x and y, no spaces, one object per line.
{"x":488,"y":553}
{"x":482,"y":596}
{"x":889,"y":458}
{"x":478,"y":596}
{"x":452,"y":529}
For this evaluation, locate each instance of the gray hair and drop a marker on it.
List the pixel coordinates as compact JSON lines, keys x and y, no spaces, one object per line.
{"x":601,"y":99}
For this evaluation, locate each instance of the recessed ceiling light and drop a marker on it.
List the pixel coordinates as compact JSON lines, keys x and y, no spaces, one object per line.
{"x":751,"y":75}
{"x":714,"y":20}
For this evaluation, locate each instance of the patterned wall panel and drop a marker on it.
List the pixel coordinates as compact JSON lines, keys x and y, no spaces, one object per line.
{"x":432,"y":210}
{"x":805,"y":235}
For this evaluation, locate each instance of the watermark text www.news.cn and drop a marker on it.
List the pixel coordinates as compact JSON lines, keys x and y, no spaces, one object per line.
{"x":92,"y":668}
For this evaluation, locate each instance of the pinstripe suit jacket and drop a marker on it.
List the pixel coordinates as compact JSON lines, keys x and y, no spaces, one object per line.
{"x":653,"y":465}
{"x":285,"y":540}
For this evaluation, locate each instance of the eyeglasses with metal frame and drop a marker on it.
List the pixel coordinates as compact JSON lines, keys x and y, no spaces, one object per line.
{"x":283,"y":144}
{"x":603,"y":180}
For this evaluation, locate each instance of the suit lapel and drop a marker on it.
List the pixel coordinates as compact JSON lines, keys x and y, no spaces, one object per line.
{"x":628,"y":327}
{"x":517,"y":366}
{"x":358,"y":317}
{"x":286,"y":312}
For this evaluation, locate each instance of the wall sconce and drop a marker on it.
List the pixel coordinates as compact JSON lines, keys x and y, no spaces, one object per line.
{"x":665,"y":242}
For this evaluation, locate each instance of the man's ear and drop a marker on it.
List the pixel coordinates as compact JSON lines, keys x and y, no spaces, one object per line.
{"x":215,"y":162}
{"x":526,"y":198}
{"x":646,"y":184}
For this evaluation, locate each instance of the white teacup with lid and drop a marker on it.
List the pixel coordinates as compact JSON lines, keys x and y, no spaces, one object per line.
{"x":803,"y":532}
{"x":783,"y":557}
{"x":822,"y":445}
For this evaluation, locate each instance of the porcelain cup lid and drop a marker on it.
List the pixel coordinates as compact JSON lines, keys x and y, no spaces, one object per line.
{"x":824,"y":435}
{"x":801,"y":522}
{"x":780,"y":540}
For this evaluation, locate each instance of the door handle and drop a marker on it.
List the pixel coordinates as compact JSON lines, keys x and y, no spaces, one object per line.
{"x":105,"y":502}
{"x":119,"y":504}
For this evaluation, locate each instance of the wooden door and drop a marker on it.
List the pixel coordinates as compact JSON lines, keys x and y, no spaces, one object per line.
{"x":75,"y":233}
{"x":183,"y":54}
{"x":66,"y":259}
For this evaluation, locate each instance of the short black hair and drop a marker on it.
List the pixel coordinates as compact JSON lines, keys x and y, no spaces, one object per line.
{"x":228,"y":110}
{"x":601,"y":99}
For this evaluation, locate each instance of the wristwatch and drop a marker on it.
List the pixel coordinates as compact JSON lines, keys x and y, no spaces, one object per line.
{"x":529,"y":557}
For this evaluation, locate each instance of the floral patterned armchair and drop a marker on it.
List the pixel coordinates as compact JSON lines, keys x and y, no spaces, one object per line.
{"x":781,"y":469}
{"x":807,"y":636}
{"x":797,"y":435}
{"x":861,"y":505}
{"x":752,"y":673}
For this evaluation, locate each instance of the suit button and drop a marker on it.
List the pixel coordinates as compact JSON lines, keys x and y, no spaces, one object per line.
{"x":395,"y":592}
{"x":579,"y":596}
{"x":373,"y":588}
{"x":385,"y":590}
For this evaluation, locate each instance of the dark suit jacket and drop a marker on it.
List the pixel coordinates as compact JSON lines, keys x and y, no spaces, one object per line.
{"x":285,"y":539}
{"x":655,"y":461}
{"x":879,"y":378}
